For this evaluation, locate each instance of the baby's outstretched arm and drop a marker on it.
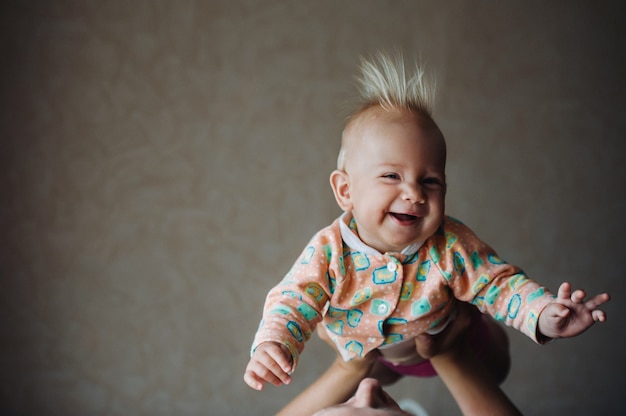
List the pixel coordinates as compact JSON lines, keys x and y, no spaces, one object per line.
{"x":270,"y":363}
{"x":570,"y":314}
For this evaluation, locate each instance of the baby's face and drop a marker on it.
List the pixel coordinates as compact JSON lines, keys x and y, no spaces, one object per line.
{"x":395,"y":165}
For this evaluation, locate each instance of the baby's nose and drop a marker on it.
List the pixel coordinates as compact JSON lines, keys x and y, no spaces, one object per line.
{"x":413,"y":193}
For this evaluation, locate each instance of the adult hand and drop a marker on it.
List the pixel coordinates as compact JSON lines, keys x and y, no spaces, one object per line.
{"x":446,"y":341}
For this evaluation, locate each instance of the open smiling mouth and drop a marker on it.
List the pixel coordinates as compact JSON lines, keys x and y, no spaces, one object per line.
{"x":404,"y":218}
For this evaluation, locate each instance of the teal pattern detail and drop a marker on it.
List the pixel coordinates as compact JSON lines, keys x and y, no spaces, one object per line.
{"x":307,"y":255}
{"x":354,"y":317}
{"x":514,"y":306}
{"x":392,"y":339}
{"x":383,"y":276}
{"x":492,"y":295}
{"x":380,"y":307}
{"x":435,"y":323}
{"x":411,"y":259}
{"x":535,"y":295}
{"x":459,"y":263}
{"x":396,"y":321}
{"x":307,"y":311}
{"x":421,"y":307}
{"x":294,"y":329}
{"x":355,"y":347}
{"x":434,"y":254}
{"x":335,"y":312}
{"x":336,"y":327}
{"x":342,"y":266}
{"x":361,"y":296}
{"x":352,"y":225}
{"x":451,"y":239}
{"x":332,"y":283}
{"x":329,"y":252}
{"x":499,"y":317}
{"x":315,"y":291}
{"x":494,"y":259}
{"x":478,"y":301}
{"x":446,"y":275}
{"x":532,"y":322}
{"x":423,"y":270}
{"x":360,"y":260}
{"x":476,"y":260}
{"x":407,"y":291}
{"x":280,"y":310}
{"x":517,"y":280}
{"x":291,"y":294}
{"x":480,"y":284}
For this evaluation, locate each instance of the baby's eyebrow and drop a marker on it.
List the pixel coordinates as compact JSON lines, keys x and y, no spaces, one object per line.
{"x":390,"y":165}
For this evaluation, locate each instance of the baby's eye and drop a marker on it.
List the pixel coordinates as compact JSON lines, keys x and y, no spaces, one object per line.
{"x":432,"y":182}
{"x":391,"y":176}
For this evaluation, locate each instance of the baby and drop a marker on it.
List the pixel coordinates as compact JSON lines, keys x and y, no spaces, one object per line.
{"x":393,"y":265}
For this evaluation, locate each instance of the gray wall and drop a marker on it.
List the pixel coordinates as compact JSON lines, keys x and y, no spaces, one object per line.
{"x":163,"y":163}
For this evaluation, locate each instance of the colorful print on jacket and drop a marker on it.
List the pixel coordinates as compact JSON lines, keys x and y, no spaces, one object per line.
{"x":367,"y":300}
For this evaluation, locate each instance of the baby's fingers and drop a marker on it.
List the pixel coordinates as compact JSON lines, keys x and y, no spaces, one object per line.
{"x":276,"y":367}
{"x":282,"y":357}
{"x":565,"y":294}
{"x":598,"y":315}
{"x":565,"y":291}
{"x":253,"y":380}
{"x":592,"y":305}
{"x":578,"y":296}
{"x":261,"y":371}
{"x":597,"y":300}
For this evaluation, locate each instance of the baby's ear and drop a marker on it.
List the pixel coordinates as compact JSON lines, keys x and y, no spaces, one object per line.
{"x":340,"y":182}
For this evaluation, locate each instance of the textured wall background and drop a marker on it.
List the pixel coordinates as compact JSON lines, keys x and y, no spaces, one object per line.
{"x":163,"y":163}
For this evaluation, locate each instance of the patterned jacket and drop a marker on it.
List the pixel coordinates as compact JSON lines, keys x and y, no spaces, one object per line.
{"x":367,"y":299}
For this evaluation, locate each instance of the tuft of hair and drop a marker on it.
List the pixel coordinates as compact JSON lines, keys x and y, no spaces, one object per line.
{"x":385,"y":80}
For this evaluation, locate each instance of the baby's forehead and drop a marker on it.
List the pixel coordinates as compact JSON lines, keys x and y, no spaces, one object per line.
{"x":363,"y":123}
{"x":376,"y":117}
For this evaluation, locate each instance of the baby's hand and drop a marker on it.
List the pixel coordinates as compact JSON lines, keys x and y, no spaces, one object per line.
{"x":570,"y":315}
{"x":270,"y":363}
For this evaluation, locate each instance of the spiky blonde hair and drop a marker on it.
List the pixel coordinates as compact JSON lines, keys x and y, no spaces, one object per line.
{"x":384,"y":81}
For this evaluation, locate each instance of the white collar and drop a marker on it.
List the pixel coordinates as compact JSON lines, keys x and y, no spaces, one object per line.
{"x":354,"y":242}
